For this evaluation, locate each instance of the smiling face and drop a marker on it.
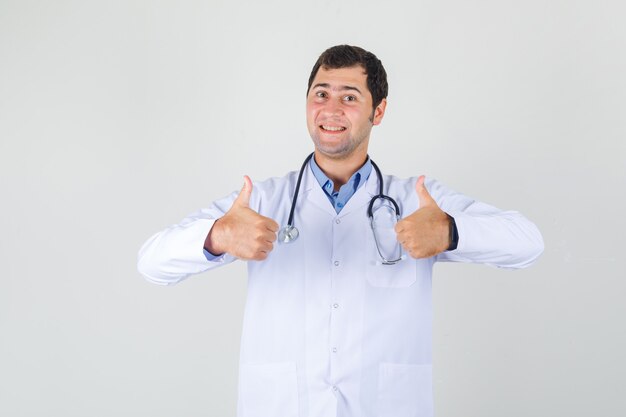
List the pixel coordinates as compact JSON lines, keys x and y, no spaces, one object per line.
{"x":339,"y":112}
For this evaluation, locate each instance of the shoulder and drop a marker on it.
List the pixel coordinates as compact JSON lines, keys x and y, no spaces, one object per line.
{"x":272,"y":188}
{"x":407,"y":185}
{"x":404,"y":190}
{"x":272,"y":184}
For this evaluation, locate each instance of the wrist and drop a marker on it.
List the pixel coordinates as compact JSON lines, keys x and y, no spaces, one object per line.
{"x":211,"y":242}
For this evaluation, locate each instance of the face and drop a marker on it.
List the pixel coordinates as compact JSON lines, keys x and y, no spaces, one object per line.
{"x":339,"y":112}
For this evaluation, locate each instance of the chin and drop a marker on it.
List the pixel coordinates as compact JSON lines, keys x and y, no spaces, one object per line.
{"x":334,"y":152}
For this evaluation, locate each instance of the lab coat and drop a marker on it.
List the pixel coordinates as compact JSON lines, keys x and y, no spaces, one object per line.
{"x":329,"y":331}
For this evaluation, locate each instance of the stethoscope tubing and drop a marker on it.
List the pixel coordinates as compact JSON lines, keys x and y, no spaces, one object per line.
{"x":289,"y":233}
{"x":295,"y":193}
{"x":370,"y":207}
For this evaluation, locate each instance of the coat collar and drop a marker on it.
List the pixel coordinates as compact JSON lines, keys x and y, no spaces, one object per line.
{"x":311,"y":190}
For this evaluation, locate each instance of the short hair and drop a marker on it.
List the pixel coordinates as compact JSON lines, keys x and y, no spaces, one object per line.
{"x":345,"y":56}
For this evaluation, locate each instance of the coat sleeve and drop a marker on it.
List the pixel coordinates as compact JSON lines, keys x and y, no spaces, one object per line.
{"x":177,"y":252}
{"x":488,"y":235}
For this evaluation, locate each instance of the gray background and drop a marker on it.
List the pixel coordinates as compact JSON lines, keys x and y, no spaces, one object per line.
{"x":118,"y":118}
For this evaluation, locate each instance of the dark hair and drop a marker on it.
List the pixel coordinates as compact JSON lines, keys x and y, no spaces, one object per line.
{"x":344,"y":56}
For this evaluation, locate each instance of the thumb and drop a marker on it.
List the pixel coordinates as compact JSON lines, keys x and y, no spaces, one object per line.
{"x":243,"y":199}
{"x":422,"y":193}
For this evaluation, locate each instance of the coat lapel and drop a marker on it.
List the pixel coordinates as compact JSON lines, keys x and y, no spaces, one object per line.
{"x":313,"y":193}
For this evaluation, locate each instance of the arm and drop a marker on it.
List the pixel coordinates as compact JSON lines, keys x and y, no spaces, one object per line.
{"x":173,"y":254}
{"x":201,"y":242}
{"x":504,"y":239}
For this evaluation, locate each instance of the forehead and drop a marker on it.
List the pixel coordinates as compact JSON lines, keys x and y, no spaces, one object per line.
{"x":337,"y":77}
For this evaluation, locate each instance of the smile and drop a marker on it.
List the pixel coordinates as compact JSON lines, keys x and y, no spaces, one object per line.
{"x":333,"y":128}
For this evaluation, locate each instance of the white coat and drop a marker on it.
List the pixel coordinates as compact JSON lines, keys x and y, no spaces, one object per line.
{"x":327,"y":331}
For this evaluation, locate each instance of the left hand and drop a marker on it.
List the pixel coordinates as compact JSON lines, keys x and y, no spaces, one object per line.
{"x":425,"y":232}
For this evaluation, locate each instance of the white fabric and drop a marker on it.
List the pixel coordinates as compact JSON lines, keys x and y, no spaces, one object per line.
{"x":327,"y":331}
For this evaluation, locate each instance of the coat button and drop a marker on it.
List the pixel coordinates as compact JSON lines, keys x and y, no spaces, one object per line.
{"x":336,"y":263}
{"x":338,"y":221}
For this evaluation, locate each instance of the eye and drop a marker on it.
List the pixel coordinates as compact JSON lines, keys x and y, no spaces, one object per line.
{"x":349,"y":98}
{"x":320,"y":94}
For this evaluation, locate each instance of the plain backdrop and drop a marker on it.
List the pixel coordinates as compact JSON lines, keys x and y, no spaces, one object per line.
{"x":118,"y":118}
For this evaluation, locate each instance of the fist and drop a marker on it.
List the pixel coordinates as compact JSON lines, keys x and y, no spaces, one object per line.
{"x":242,"y":232}
{"x":425,"y":232}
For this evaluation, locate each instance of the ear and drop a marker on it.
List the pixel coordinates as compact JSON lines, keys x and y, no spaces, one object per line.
{"x":379,"y":112}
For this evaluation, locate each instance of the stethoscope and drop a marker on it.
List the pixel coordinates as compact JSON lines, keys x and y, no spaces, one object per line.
{"x":290,"y":233}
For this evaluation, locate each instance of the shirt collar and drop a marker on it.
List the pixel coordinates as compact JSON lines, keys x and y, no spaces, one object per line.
{"x":357,"y":179}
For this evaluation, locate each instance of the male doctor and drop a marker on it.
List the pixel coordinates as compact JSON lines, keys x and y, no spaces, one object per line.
{"x":329,"y":328}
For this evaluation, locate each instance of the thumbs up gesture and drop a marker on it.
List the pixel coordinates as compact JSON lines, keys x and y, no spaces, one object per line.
{"x":425,"y":232}
{"x":242,"y":232}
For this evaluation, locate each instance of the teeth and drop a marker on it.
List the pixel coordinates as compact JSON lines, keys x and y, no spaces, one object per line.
{"x":333,"y":128}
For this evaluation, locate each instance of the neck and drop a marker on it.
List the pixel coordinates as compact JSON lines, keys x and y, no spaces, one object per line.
{"x":340,"y":170}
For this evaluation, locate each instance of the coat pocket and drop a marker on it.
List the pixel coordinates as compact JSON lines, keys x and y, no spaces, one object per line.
{"x":269,"y":390}
{"x":401,"y":275}
{"x":405,"y":390}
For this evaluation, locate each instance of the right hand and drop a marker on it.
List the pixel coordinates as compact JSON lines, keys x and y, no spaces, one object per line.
{"x":242,"y":232}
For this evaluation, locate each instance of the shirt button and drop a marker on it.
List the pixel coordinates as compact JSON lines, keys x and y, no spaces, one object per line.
{"x":336,"y":263}
{"x":335,"y":388}
{"x":335,"y":305}
{"x":337,"y":221}
{"x":340,"y":204}
{"x":334,"y":350}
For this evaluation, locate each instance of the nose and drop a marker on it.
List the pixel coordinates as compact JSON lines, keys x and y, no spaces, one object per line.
{"x":333,"y":108}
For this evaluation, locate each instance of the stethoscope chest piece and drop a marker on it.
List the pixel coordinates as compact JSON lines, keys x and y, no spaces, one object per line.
{"x":288,"y":234}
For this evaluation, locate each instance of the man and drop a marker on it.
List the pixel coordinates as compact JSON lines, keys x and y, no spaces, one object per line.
{"x":335,"y":324}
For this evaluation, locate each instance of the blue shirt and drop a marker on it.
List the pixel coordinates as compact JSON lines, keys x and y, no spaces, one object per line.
{"x":340,"y":198}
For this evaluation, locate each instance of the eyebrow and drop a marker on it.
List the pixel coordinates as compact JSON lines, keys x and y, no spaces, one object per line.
{"x":341,"y":88}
